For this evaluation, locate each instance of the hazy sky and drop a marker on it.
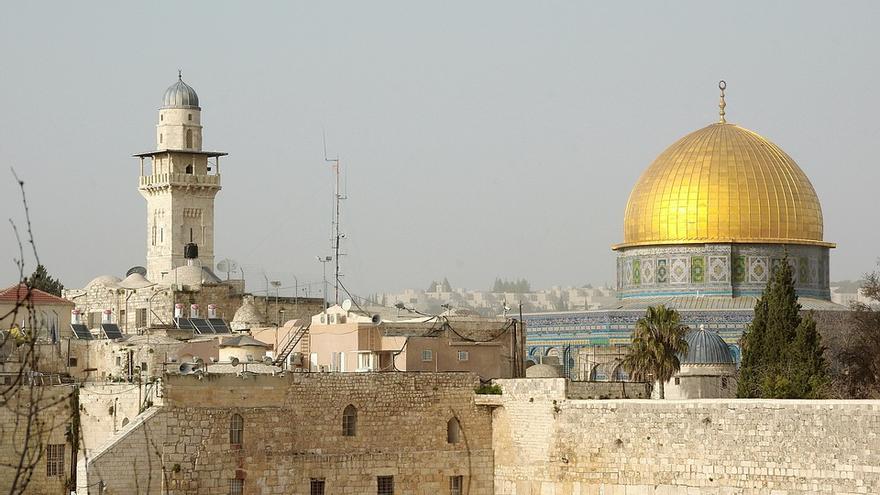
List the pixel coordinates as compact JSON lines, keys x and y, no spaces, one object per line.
{"x":480,"y":139}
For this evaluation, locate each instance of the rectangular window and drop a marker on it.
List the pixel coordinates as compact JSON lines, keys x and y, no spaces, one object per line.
{"x":677,"y":381}
{"x":365,"y":361}
{"x":71,"y":361}
{"x":723,"y":382}
{"x":456,"y":484}
{"x":462,"y":355}
{"x":143,"y":367}
{"x":118,"y":360}
{"x":141,"y":318}
{"x":427,"y":355}
{"x":55,"y":460}
{"x":236,"y":487}
{"x":385,"y":485}
{"x":316,"y":487}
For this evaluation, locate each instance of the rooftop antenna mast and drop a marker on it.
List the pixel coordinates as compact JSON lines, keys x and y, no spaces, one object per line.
{"x":335,"y":231}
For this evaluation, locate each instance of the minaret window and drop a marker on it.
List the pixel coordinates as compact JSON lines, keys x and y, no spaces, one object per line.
{"x":189,"y":138}
{"x":154,"y":235}
{"x":160,"y":139}
{"x":189,"y":116}
{"x":190,"y":234}
{"x":189,"y":168}
{"x":161,"y":117}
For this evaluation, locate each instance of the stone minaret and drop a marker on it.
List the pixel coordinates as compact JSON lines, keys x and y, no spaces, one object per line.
{"x":179,"y":182}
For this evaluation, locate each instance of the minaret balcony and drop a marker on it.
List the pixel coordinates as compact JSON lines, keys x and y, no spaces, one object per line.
{"x":186,"y":180}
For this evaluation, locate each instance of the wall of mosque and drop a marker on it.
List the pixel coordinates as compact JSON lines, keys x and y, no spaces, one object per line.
{"x":547,"y":443}
{"x":718,"y":269}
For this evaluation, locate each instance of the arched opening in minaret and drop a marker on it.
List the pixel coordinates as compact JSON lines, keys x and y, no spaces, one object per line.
{"x":189,"y":169}
{"x":189,"y":138}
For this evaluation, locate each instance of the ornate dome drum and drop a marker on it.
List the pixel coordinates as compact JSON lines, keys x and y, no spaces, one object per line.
{"x":715,"y":212}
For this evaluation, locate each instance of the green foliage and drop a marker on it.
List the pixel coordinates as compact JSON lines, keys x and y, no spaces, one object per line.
{"x":782,"y":351}
{"x":41,"y":279}
{"x":519,"y":286}
{"x":489,"y":389}
{"x":658,"y":340}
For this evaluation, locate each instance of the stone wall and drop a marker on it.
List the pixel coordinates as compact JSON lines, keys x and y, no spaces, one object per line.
{"x":547,"y":443}
{"x":107,"y":408}
{"x":292,"y":432}
{"x":608,"y":390}
{"x":128,"y":462}
{"x":52,"y":418}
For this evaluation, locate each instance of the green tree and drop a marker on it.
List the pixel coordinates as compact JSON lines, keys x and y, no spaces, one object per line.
{"x":41,"y":279}
{"x":855,"y":345}
{"x":658,"y":340}
{"x":782,"y":351}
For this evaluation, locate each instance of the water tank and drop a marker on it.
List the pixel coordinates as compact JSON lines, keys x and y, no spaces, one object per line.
{"x":190,"y":251}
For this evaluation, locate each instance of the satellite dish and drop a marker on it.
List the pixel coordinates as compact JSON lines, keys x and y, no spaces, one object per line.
{"x":376,"y":319}
{"x":234,"y":361}
{"x":227,"y":266}
{"x":136,"y":269}
{"x":346,"y":305}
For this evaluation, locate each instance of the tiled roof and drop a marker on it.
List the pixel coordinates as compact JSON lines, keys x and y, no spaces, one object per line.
{"x":689,"y":303}
{"x":19,"y":293}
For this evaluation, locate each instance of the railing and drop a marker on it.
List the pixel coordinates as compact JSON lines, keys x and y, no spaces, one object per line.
{"x":186,"y":179}
{"x":287,"y":347}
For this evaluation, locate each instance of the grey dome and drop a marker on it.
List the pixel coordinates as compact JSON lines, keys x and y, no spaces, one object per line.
{"x":543,"y":371}
{"x":180,"y":95}
{"x":706,"y":347}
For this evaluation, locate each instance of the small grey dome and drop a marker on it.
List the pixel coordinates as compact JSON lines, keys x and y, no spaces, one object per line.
{"x":706,"y":347}
{"x":543,"y":371}
{"x":247,"y":315}
{"x":180,"y":95}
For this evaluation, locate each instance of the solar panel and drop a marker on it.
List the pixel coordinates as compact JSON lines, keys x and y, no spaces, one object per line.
{"x":183,"y":323}
{"x":81,"y":331}
{"x":111,"y":330}
{"x":219,"y":325}
{"x":202,"y":326}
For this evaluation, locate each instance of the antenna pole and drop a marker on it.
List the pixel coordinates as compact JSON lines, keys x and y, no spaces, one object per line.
{"x":336,"y":232}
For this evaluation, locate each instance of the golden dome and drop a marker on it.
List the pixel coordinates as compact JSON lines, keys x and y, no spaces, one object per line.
{"x":723,"y":183}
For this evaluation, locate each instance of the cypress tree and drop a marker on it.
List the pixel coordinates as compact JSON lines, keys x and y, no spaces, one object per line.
{"x":782,"y":351}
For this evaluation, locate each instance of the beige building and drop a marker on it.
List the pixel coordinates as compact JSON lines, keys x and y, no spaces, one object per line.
{"x":38,"y":311}
{"x":342,"y":340}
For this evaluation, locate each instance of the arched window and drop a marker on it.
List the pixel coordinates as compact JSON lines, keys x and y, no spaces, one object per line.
{"x":189,"y":138}
{"x":349,"y":421}
{"x":160,"y":138}
{"x":453,"y":431}
{"x":236,"y":430}
{"x":189,"y":168}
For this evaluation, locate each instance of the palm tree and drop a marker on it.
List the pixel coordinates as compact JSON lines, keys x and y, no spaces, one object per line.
{"x":657,"y":342}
